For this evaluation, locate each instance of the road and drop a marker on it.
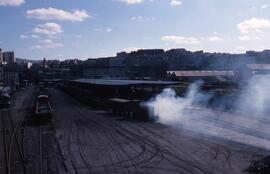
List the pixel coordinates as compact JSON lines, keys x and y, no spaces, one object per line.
{"x":93,"y":141}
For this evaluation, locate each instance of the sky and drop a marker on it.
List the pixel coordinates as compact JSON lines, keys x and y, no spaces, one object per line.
{"x":67,"y":29}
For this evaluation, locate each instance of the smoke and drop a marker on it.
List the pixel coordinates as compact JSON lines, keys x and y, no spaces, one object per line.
{"x":255,"y":98}
{"x":168,"y":108}
{"x":192,"y":112}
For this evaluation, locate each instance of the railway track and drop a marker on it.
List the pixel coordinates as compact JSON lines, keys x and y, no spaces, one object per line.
{"x":147,"y":154}
{"x":126,"y":147}
{"x":234,"y":113}
{"x":119,"y":165}
{"x":40,"y":151}
{"x":4,"y":132}
{"x":73,"y":161}
{"x":27,"y":149}
{"x":209,"y":117}
{"x":13,"y":142}
{"x":216,"y":149}
{"x":14,"y":133}
{"x":156,"y":152}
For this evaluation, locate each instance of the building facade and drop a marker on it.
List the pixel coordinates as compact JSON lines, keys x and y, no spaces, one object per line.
{"x":9,"y":57}
{"x":8,"y":77}
{"x":1,"y":56}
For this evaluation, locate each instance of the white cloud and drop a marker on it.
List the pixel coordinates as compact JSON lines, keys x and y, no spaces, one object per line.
{"x":35,"y":36}
{"x":57,"y":14}
{"x":264,"y":6}
{"x":54,"y":45}
{"x":98,"y":29}
{"x":244,"y":38}
{"x":247,"y":38}
{"x":253,"y":8}
{"x":253,"y":25}
{"x":131,"y":2}
{"x":22,"y":36}
{"x":180,"y":39}
{"x":103,"y":30}
{"x":215,"y":39}
{"x":176,"y":3}
{"x":46,"y":41}
{"x":108,"y":30}
{"x":142,"y":19}
{"x":11,"y":2}
{"x":49,"y":29}
{"x":47,"y":44}
{"x":190,"y":40}
{"x":78,"y":36}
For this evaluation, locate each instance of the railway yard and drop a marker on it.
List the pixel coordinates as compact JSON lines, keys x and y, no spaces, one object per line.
{"x":82,"y":139}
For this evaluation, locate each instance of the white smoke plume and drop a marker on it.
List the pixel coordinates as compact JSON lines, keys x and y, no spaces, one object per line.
{"x":168,"y":108}
{"x":190,"y":112}
{"x":255,"y":98}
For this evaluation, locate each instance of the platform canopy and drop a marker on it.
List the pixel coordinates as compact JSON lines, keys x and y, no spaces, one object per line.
{"x":111,"y":82}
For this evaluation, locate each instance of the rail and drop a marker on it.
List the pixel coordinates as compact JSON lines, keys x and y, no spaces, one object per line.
{"x":12,"y":141}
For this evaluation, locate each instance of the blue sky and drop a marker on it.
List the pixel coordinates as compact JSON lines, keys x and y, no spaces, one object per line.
{"x":94,"y":28}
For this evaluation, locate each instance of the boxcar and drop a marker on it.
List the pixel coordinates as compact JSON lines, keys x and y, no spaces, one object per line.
{"x":43,"y":112}
{"x":129,"y":108}
{"x":5,"y":100}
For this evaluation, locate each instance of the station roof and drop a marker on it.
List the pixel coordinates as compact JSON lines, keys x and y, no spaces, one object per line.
{"x":259,"y":66}
{"x":201,"y":73}
{"x":110,"y":82}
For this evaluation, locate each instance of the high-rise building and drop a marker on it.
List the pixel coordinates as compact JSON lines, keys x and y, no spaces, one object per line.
{"x":44,"y":63}
{"x":9,"y":57}
{"x":1,"y":56}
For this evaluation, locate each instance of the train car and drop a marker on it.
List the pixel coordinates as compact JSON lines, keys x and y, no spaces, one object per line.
{"x":5,"y":100}
{"x":123,"y":97}
{"x":43,"y":112}
{"x":132,"y":109}
{"x":5,"y":96}
{"x":42,"y":89}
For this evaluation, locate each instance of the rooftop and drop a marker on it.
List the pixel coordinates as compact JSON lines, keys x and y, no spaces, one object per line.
{"x":111,"y":82}
{"x":201,"y":73}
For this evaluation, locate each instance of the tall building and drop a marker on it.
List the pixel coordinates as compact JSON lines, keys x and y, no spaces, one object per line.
{"x":1,"y":56}
{"x":44,"y":63}
{"x":9,"y":57}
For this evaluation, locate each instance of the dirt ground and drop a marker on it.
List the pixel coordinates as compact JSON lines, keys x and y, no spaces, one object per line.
{"x":94,"y":141}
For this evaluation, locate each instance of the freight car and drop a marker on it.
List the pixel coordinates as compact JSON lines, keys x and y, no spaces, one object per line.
{"x":129,"y":108}
{"x":43,"y":111}
{"x":5,"y":100}
{"x":5,"y":96}
{"x":123,"y":97}
{"x":42,"y":89}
